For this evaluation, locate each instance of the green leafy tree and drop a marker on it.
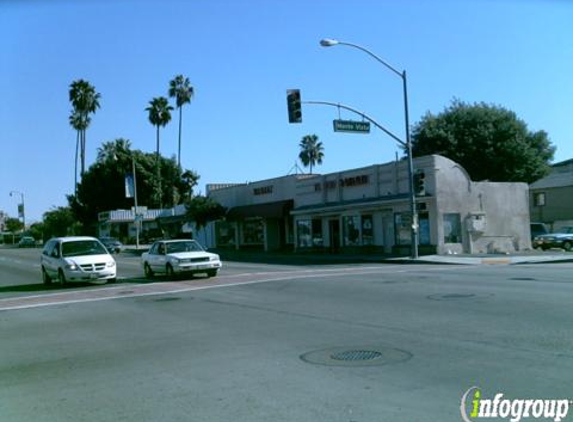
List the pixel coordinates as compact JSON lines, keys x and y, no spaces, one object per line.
{"x":180,"y":88}
{"x":159,"y":114}
{"x":203,"y":209}
{"x":13,"y":225}
{"x":85,"y":101}
{"x":312,"y":151}
{"x":488,"y":141}
{"x":59,"y":221}
{"x":36,"y":230}
{"x":103,"y":186}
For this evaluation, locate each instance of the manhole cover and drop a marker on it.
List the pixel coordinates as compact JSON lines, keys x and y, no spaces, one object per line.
{"x":523,"y":279}
{"x":356,"y":356}
{"x":459,"y":296}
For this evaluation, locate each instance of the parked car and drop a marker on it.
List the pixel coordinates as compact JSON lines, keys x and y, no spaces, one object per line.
{"x":537,"y":229}
{"x":563,"y":239}
{"x":27,"y":242}
{"x":77,"y":259}
{"x":111,"y":244}
{"x":172,"y":257}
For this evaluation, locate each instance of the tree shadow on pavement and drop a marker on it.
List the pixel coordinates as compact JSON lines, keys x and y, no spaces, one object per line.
{"x":57,"y":287}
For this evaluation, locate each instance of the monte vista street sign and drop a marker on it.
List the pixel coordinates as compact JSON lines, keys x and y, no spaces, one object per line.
{"x":351,"y":126}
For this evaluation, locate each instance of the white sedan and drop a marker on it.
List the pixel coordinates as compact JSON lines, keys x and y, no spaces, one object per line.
{"x":173,"y":257}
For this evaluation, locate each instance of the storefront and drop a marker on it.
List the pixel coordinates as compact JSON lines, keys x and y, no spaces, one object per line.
{"x":259,"y":214}
{"x":368,"y":210}
{"x":121,"y":224}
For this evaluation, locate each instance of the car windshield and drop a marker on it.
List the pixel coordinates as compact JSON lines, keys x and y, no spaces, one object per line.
{"x":82,"y":247}
{"x":185,"y":246}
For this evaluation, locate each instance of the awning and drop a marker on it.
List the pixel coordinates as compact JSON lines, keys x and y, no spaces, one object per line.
{"x":279,"y":209}
{"x":172,"y":219}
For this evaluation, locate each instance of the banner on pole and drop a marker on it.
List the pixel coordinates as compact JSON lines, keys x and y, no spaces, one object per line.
{"x":129,"y":186}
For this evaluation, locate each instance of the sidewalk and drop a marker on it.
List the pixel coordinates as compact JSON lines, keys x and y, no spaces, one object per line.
{"x":533,"y":257}
{"x":285,"y":258}
{"x":530,"y":257}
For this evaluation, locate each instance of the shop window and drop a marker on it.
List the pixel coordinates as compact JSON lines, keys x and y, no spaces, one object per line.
{"x":424,"y":231}
{"x":317,"y":239}
{"x":367,"y":230}
{"x":351,"y":230}
{"x":452,"y":228}
{"x":304,"y":233}
{"x":539,"y":199}
{"x":289,"y":231}
{"x":225,"y":233}
{"x":403,"y":228}
{"x":253,"y":232}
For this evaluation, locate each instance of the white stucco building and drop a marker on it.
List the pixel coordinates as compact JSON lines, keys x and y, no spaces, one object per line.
{"x":367,"y":210}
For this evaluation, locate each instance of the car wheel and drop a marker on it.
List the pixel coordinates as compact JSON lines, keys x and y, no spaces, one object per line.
{"x":211,"y":273}
{"x":169,"y":273}
{"x":62,"y":278}
{"x":148,"y":271}
{"x":45,"y":277}
{"x":567,"y":246}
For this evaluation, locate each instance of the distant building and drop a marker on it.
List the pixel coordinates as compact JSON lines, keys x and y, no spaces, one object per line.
{"x":551,"y":198}
{"x":3,"y":218}
{"x":153,"y":224}
{"x":121,"y":224}
{"x":367,"y":210}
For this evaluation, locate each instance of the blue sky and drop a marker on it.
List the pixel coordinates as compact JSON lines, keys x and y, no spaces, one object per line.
{"x":241,"y":56}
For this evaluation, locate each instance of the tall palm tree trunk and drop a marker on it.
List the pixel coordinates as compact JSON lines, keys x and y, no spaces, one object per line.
{"x":83,"y":152}
{"x":76,"y":164}
{"x":158,"y":171}
{"x":179,"y":149}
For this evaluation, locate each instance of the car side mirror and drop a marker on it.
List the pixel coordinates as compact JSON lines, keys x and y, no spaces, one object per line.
{"x":55,"y":253}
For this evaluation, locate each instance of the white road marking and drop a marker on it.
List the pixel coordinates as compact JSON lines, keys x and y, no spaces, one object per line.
{"x":162,"y":288}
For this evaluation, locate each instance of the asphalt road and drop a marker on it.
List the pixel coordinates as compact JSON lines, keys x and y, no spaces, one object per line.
{"x":266,"y":343}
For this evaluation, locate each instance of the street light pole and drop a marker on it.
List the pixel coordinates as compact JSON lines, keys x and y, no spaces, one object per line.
{"x":327,"y":42}
{"x":135,"y":202}
{"x":23,"y":207}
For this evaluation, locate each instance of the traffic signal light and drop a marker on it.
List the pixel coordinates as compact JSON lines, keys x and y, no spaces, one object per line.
{"x":294,"y":106}
{"x":420,"y":182}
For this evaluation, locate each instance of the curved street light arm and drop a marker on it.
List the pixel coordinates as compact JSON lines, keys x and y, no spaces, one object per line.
{"x":360,"y":113}
{"x":371,"y":54}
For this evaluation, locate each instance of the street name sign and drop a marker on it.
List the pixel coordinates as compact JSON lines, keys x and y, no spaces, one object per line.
{"x":351,"y":126}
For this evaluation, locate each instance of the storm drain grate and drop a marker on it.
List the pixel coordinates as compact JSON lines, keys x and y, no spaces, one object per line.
{"x":459,"y":296}
{"x":167,"y":299}
{"x":356,"y":355}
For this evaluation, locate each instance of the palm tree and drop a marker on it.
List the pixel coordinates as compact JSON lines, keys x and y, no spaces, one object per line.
{"x":114,"y":150}
{"x":85,"y":101}
{"x":159,"y":115}
{"x":180,"y":88}
{"x":312,"y":151}
{"x":79,"y":123}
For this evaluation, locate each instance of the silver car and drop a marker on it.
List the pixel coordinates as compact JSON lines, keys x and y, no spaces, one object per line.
{"x":79,"y":258}
{"x":171,"y":257}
